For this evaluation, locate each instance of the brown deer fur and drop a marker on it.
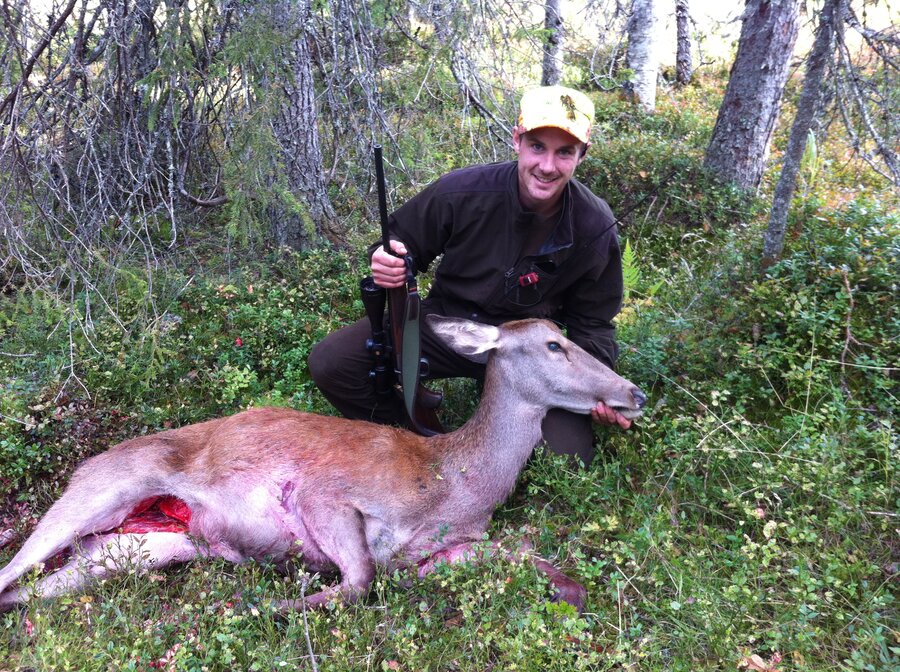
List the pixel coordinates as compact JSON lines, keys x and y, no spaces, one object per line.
{"x":274,"y":483}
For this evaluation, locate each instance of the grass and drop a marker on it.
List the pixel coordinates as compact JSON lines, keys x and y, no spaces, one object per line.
{"x":751,"y":512}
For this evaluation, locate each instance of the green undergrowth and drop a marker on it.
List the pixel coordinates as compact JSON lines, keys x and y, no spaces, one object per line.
{"x":751,"y":512}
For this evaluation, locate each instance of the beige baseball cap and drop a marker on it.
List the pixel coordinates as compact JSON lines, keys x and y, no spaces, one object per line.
{"x":558,"y":107}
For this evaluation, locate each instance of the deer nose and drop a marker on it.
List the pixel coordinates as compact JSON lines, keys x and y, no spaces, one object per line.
{"x":640,"y":399}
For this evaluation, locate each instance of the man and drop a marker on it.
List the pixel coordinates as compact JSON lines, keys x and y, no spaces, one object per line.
{"x":518,"y":239}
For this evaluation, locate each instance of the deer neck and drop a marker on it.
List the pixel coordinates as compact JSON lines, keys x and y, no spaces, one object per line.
{"x":490,"y":450}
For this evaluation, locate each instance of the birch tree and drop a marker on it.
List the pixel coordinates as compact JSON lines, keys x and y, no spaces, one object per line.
{"x":683,"y":66}
{"x":740,"y":140}
{"x":643,"y":51}
{"x":553,"y":43}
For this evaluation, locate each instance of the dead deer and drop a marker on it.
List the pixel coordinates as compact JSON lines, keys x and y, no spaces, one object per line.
{"x":278,"y":484}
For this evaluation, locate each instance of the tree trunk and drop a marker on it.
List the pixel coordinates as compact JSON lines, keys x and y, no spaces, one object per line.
{"x":808,"y":110}
{"x":643,"y":52}
{"x":740,"y":141}
{"x":683,"y":66}
{"x":302,"y":212}
{"x":553,"y":24}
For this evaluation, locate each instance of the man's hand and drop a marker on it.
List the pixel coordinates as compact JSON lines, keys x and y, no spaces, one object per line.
{"x":387,"y":270}
{"x":605,"y":415}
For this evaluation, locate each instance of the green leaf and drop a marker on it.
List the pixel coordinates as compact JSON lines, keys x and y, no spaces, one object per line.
{"x":631,"y":273}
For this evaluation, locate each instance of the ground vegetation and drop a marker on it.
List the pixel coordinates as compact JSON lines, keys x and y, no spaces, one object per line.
{"x":748,"y":521}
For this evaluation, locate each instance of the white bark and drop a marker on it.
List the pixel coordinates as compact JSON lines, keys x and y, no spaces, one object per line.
{"x":643,"y":51}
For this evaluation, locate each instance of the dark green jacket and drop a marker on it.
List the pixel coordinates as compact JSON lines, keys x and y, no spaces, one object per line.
{"x":474,"y":219}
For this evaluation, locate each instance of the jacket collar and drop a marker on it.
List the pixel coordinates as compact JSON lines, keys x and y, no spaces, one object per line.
{"x":556,"y":247}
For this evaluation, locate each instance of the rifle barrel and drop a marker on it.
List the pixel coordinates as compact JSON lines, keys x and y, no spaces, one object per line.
{"x":382,"y":199}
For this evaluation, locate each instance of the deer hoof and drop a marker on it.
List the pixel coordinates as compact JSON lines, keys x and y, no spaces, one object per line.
{"x":570,"y":592}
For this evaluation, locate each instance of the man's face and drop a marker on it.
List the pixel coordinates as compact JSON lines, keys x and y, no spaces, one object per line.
{"x":548,"y":158}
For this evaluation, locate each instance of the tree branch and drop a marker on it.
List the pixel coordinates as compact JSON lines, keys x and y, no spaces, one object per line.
{"x":36,"y":54}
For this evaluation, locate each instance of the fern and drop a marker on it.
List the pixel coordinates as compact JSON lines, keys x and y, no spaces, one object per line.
{"x":631,"y":272}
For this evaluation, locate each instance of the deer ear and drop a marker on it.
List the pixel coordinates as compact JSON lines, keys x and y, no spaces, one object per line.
{"x":472,"y":340}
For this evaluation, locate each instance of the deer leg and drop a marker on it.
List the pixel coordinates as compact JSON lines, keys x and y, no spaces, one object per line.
{"x":98,"y":556}
{"x":567,"y":590}
{"x":64,"y":522}
{"x":93,"y":503}
{"x":341,"y":536}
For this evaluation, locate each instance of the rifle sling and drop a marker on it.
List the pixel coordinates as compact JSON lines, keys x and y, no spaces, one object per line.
{"x":409,"y":374}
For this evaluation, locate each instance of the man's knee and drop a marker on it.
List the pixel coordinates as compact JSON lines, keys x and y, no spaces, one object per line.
{"x":569,"y":434}
{"x":340,"y":358}
{"x":320,"y":364}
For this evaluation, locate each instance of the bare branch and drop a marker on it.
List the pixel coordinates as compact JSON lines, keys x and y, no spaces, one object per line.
{"x":851,"y":84}
{"x":55,"y":27}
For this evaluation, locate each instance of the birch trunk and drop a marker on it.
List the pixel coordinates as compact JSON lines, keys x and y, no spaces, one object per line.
{"x":739,"y":146}
{"x":683,"y":65}
{"x":808,"y":110}
{"x":643,"y":52}
{"x":553,"y":24}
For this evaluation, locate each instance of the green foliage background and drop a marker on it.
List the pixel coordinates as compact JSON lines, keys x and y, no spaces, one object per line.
{"x":753,"y":510}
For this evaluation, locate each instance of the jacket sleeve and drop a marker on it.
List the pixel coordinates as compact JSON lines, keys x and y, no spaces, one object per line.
{"x":592,"y":303}
{"x":423,"y":223}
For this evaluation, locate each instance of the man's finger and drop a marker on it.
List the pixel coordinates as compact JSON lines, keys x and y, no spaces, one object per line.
{"x":608,"y":416}
{"x":398,"y":247}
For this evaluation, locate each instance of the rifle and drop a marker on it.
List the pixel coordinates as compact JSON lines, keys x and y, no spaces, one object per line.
{"x":400,"y":346}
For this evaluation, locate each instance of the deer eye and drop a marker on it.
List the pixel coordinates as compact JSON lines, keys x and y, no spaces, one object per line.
{"x":553,"y":346}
